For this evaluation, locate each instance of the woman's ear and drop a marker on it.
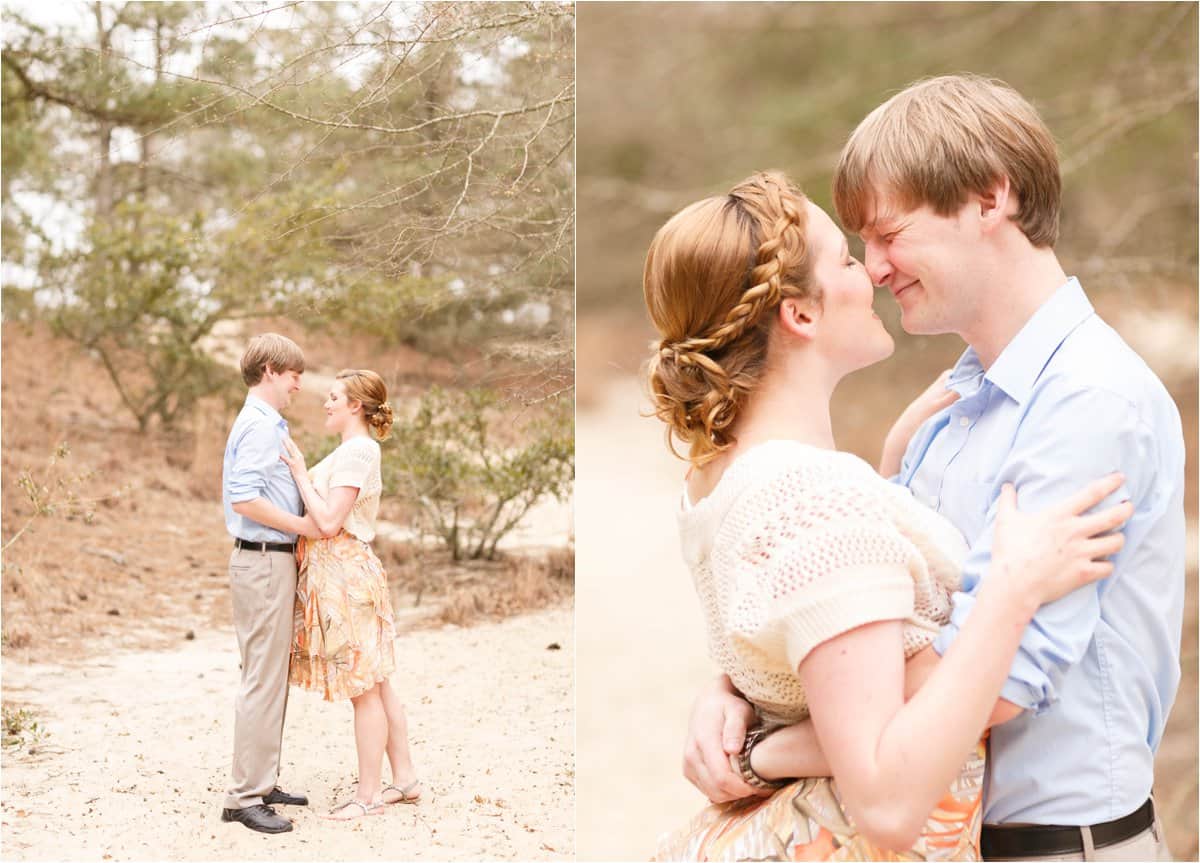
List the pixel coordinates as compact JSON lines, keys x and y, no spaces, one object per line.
{"x":798,"y":317}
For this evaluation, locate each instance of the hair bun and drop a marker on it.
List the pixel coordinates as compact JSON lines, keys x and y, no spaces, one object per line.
{"x":381,"y":420}
{"x":713,"y":274}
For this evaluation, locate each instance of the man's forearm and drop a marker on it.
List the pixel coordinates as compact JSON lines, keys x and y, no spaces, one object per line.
{"x":921,"y":665}
{"x":795,"y":751}
{"x":264,"y":512}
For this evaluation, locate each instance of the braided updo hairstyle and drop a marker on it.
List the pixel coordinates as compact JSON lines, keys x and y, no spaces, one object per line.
{"x":714,"y":275}
{"x":365,"y":386}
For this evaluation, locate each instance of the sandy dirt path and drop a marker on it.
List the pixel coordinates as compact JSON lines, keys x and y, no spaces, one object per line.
{"x":640,"y":642}
{"x":137,"y":757}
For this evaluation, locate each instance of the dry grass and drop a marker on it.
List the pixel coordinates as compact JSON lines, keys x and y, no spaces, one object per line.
{"x":16,"y":636}
{"x":467,"y":592}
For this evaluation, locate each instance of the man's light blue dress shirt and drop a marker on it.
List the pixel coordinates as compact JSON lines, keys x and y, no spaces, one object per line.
{"x":252,"y":468}
{"x":1066,"y":403}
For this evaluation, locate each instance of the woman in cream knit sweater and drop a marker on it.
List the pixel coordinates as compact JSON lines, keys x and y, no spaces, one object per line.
{"x":816,"y":576}
{"x":342,"y":638}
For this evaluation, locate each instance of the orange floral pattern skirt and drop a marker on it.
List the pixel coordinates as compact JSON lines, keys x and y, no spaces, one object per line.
{"x":806,"y":821}
{"x":344,"y":629}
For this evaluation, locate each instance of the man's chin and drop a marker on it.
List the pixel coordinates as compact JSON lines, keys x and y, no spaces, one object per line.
{"x":914,"y":325}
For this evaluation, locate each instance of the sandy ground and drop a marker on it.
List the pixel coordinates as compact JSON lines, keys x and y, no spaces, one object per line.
{"x":640,"y":642}
{"x":138,"y":747}
{"x":641,"y":646}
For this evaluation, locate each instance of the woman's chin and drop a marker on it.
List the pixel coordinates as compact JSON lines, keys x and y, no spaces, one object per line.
{"x":883,"y":349}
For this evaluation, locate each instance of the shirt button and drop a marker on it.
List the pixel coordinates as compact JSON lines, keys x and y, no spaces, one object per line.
{"x":964,"y":422}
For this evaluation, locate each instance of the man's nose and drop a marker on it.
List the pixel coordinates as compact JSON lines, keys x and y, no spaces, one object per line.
{"x":877,"y":264}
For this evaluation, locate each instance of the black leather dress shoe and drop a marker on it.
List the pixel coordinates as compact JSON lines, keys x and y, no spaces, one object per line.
{"x":277,"y":796}
{"x":260,"y":817}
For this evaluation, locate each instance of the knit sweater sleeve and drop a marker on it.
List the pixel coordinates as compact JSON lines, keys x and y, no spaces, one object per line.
{"x":354,"y":464}
{"x":815,"y":557}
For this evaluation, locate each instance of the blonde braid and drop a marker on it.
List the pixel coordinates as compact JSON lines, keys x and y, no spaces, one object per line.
{"x":699,"y":383}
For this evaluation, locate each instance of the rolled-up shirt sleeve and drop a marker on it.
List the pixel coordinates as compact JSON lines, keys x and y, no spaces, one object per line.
{"x":255,"y":454}
{"x":1070,"y":438}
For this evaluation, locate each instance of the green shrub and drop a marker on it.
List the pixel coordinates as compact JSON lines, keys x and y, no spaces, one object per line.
{"x":473,"y":472}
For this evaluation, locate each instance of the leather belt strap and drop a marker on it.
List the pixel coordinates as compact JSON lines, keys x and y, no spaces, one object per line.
{"x":289,"y":547}
{"x":1042,"y":840}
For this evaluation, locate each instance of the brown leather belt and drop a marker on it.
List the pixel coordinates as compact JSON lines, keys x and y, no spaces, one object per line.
{"x":289,"y":547}
{"x":1038,"y":840}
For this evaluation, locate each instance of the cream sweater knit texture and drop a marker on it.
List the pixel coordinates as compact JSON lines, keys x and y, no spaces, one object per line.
{"x":356,"y":462}
{"x":796,"y":545}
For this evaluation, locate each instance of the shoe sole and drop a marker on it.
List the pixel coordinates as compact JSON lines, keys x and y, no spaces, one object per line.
{"x":228,"y":819}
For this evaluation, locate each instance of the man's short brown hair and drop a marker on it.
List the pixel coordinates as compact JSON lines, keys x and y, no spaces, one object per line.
{"x":943,"y":138}
{"x":270,"y":349}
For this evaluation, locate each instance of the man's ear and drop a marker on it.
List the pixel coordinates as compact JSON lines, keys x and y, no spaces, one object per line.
{"x":798,"y":317}
{"x":995,"y":204}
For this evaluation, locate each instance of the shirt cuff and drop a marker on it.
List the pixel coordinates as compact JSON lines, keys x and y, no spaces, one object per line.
{"x":1024,"y":696}
{"x":241,"y":494}
{"x":1021,"y":693}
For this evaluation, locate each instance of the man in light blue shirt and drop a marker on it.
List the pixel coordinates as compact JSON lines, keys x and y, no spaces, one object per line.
{"x":1066,"y":401}
{"x":954,"y":187}
{"x":264,"y":515}
{"x":253,"y":470}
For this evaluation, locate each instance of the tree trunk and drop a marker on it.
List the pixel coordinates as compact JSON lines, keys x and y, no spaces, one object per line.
{"x":146,"y":155}
{"x":104,"y":183}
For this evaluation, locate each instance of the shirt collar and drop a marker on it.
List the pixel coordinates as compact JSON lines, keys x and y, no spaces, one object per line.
{"x":1020,"y":364}
{"x":265,"y":409}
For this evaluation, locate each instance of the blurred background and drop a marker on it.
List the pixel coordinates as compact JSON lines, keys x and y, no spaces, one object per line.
{"x":680,"y":101}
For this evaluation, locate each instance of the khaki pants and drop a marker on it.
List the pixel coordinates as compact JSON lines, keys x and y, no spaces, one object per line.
{"x":264,"y":593}
{"x":1149,"y":845}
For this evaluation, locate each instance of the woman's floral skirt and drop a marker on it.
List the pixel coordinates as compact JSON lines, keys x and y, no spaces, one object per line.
{"x":342,"y":638}
{"x":806,"y":821}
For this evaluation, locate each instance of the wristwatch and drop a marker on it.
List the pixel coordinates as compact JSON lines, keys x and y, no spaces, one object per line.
{"x":753,"y":737}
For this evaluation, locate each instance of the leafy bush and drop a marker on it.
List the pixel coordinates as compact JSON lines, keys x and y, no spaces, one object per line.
{"x":131,"y":300}
{"x":470,"y":486}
